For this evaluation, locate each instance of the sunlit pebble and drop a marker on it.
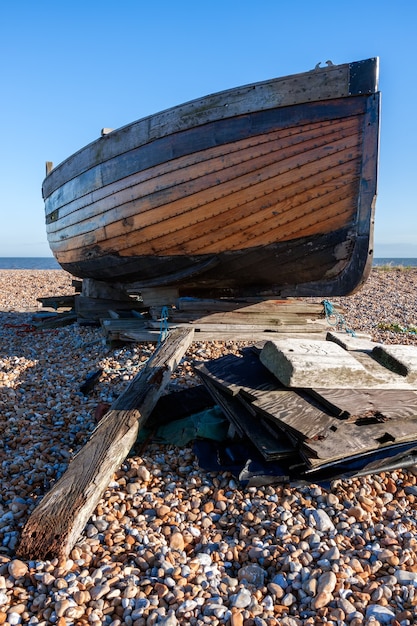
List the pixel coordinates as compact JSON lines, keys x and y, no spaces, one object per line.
{"x":167,"y":536}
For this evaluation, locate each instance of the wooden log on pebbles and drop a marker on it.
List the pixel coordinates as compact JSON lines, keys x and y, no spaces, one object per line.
{"x":55,"y":525}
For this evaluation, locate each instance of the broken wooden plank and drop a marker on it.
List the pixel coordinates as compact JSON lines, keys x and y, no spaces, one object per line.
{"x":353,"y":439}
{"x":57,"y":302}
{"x":96,"y":308}
{"x":391,"y":403}
{"x":235,"y":373}
{"x":55,"y":525}
{"x":59,"y":320}
{"x":271,"y":446}
{"x":295,"y":414}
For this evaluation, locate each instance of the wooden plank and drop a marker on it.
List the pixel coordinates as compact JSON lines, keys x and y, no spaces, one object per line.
{"x":57,"y":302}
{"x":353,"y":439}
{"x":234,"y":373}
{"x":300,"y":307}
{"x":269,"y":445}
{"x":239,"y":318}
{"x":390,"y":403}
{"x":295,"y":414}
{"x":55,"y":525}
{"x":202,"y":334}
{"x":312,"y":327}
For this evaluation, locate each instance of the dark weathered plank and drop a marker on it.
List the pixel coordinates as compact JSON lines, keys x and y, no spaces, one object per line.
{"x":57,"y":302}
{"x":391,"y":403}
{"x":271,"y":445}
{"x":58,"y":520}
{"x":247,"y":377}
{"x":205,"y":306}
{"x":233,"y":373}
{"x":295,"y":414}
{"x":352,"y":439}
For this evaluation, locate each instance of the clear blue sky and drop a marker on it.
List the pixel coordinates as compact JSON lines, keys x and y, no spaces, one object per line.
{"x":70,"y":68}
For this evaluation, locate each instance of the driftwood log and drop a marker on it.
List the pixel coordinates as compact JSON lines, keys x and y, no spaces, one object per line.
{"x":55,"y":525}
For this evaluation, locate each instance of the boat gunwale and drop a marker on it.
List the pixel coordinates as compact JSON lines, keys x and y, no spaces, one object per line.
{"x":151,"y":127}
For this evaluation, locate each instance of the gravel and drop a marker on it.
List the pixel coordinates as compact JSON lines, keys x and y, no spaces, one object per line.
{"x":168,"y":543}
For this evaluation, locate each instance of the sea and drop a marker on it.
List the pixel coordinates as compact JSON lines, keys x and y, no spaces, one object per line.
{"x":49,"y":263}
{"x":29,"y":263}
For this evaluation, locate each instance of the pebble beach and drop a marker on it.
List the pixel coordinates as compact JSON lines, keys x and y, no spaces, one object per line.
{"x":169,"y":543}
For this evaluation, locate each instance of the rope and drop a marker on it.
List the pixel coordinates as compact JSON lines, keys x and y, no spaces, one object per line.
{"x":164,"y":324}
{"x":335,"y":319}
{"x":23,"y":329}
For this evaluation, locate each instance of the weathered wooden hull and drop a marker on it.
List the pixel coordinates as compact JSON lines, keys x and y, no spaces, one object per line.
{"x":263,"y":190}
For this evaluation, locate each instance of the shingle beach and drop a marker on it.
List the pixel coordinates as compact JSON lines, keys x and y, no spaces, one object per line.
{"x":169,"y":543}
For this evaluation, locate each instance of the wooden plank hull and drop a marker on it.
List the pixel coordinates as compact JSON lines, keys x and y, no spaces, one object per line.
{"x":263,"y":190}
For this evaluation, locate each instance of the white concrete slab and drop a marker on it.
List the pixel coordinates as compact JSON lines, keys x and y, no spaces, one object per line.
{"x":309,"y":363}
{"x":399,"y":358}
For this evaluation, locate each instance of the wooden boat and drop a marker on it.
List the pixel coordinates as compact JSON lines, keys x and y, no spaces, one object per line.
{"x":262,"y":190}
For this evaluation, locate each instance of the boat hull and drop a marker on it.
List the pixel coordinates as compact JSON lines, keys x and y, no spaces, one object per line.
{"x":255,"y":191}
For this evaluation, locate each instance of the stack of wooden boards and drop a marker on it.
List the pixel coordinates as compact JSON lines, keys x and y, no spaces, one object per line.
{"x":219,"y":320}
{"x":321,"y":407}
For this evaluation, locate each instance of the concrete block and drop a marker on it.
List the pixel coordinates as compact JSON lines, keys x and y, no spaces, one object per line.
{"x":310,"y":363}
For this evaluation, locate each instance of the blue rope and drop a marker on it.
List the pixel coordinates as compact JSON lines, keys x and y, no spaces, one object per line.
{"x":164,"y":324}
{"x":334,"y":318}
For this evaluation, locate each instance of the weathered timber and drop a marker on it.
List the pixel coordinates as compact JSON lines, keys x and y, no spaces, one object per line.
{"x":96,"y":308}
{"x":295,"y":414}
{"x":55,"y":525}
{"x":271,"y":327}
{"x":57,"y":302}
{"x":353,"y":439}
{"x":234,"y":374}
{"x":388,"y":403}
{"x":59,"y":320}
{"x":250,"y":305}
